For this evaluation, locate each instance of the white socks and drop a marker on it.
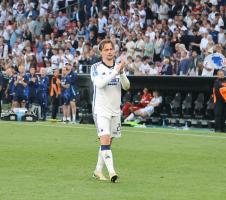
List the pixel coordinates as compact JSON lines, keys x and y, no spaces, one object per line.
{"x":105,"y":157}
{"x":130,"y":117}
{"x":100,"y":162}
{"x":108,"y":160}
{"x":73,"y":117}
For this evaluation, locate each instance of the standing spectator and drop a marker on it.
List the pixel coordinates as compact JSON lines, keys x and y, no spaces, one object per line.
{"x":145,"y":67}
{"x":139,"y":50}
{"x":129,"y":66}
{"x":163,"y":10}
{"x":137,"y":65}
{"x":55,"y":92}
{"x":183,"y":64}
{"x":61,"y":22}
{"x":148,"y":48}
{"x":102,"y":23}
{"x":193,"y":66}
{"x":222,"y":36}
{"x":130,"y":46}
{"x":154,"y":70}
{"x":55,"y":59}
{"x":93,"y":13}
{"x":46,"y":27}
{"x":158,"y":47}
{"x":43,"y":8}
{"x":167,"y":68}
{"x":195,"y":41}
{"x":3,"y":49}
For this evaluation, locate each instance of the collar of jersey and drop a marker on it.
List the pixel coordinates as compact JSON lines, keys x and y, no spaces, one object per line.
{"x":110,"y":67}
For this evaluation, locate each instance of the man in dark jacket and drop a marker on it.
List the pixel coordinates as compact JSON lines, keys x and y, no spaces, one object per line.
{"x":1,"y":82}
{"x":219,"y":103}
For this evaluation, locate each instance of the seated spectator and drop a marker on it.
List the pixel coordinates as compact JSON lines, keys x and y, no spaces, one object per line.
{"x":129,"y":107}
{"x":148,"y":110}
{"x":153,"y":70}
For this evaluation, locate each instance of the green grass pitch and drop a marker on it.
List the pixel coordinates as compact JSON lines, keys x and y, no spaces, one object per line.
{"x":44,"y":161}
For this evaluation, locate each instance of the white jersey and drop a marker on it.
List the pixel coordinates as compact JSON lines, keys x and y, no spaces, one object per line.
{"x":107,"y":89}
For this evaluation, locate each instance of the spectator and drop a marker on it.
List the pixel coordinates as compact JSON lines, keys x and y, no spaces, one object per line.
{"x":145,"y":67}
{"x":3,"y":49}
{"x":137,"y":65}
{"x":153,"y":70}
{"x":167,"y":68}
{"x":148,"y":110}
{"x":102,"y":23}
{"x":129,"y":107}
{"x":183,"y":64}
{"x":61,"y":22}
{"x":130,"y":46}
{"x":94,"y":10}
{"x":148,"y":48}
{"x":139,"y":50}
{"x":129,"y":66}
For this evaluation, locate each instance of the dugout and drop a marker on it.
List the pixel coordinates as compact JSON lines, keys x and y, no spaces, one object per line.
{"x":168,"y":86}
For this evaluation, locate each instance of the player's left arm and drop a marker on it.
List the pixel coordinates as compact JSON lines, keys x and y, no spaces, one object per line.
{"x":124,"y":81}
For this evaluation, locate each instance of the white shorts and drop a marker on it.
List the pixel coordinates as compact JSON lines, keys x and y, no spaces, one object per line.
{"x":108,"y":125}
{"x":147,"y":110}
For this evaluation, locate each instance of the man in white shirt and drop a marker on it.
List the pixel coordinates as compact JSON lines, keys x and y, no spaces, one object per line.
{"x":219,"y":22}
{"x":145,"y":67}
{"x":107,"y":78}
{"x":43,"y":11}
{"x":102,"y":23}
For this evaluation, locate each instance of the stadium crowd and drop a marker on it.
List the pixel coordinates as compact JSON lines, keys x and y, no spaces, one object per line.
{"x":158,"y":37}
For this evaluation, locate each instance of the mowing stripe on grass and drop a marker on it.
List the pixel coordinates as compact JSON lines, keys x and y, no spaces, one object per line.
{"x":132,"y":130}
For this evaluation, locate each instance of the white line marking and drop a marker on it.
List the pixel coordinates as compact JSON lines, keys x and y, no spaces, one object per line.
{"x":166,"y":132}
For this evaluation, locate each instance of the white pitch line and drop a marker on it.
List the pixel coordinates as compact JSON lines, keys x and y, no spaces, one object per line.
{"x":167,"y":132}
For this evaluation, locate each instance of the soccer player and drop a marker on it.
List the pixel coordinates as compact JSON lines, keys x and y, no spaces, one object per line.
{"x":42,"y":92}
{"x":65,"y":94}
{"x":107,"y":78}
{"x":32,"y":85}
{"x":21,"y":88}
{"x":10,"y":89}
{"x":73,"y":86}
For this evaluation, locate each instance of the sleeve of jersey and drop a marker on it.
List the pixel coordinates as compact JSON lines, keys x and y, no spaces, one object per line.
{"x":124,"y":81}
{"x":100,"y":80}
